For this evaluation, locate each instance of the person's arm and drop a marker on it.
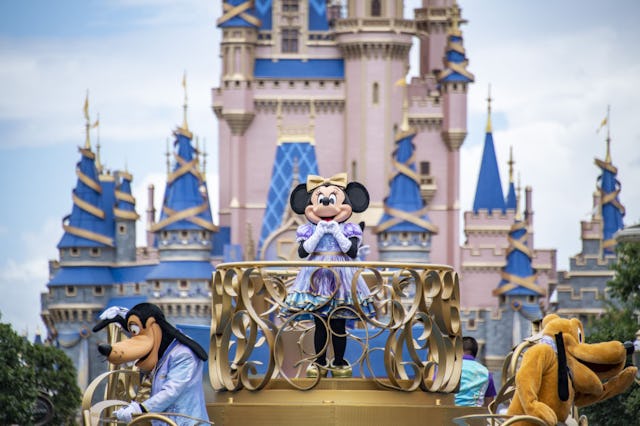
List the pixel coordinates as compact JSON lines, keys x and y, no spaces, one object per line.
{"x":490,"y":393}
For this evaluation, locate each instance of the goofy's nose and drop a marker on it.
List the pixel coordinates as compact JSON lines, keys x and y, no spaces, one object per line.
{"x":104,"y":349}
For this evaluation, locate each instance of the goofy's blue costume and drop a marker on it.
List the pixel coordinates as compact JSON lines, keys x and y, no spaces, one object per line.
{"x":173,"y":360}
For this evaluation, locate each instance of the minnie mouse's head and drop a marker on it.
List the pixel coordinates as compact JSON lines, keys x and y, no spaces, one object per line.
{"x":329,"y":199}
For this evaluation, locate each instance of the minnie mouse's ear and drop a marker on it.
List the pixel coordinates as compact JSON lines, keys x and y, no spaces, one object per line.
{"x":299,"y":198}
{"x":358,"y":196}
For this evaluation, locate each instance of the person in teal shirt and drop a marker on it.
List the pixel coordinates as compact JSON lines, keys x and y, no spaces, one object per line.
{"x":476,"y":383}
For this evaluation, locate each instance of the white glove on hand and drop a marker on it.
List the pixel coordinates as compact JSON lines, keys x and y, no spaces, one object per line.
{"x":113,"y":312}
{"x":310,"y":244}
{"x":344,"y":242}
{"x":125,"y":414}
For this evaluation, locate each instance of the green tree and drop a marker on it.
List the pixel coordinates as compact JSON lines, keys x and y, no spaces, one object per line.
{"x":55,"y":375}
{"x":619,"y":323}
{"x":25,"y":371}
{"x":17,"y":380}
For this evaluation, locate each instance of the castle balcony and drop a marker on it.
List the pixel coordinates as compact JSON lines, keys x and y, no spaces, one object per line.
{"x":428,"y":187}
{"x":406,"y":359}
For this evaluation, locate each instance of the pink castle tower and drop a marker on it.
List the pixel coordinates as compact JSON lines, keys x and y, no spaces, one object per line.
{"x":487,"y":227}
{"x":315,"y":86}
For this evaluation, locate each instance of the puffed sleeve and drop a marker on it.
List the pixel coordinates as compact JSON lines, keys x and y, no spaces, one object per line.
{"x":304,"y":231}
{"x":351,"y":230}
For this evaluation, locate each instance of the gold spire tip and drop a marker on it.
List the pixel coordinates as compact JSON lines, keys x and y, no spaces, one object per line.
{"x":489,"y":128}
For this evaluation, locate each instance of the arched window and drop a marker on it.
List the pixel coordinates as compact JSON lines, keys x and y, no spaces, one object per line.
{"x":376,"y":8}
{"x":375,"y":96}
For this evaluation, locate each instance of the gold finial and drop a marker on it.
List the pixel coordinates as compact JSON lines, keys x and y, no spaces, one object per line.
{"x":456,"y":19}
{"x":96,"y":125}
{"x":185,"y":125}
{"x":511,"y":163}
{"x":489,"y":129}
{"x":85,"y":109}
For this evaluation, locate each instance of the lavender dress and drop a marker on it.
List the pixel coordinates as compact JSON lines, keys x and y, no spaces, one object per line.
{"x":314,"y":287}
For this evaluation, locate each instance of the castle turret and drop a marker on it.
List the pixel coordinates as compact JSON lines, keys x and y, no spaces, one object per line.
{"x":518,"y":291}
{"x":611,"y":208}
{"x":375,"y":41}
{"x":234,"y":105}
{"x":125,"y":217}
{"x":489,"y":195}
{"x":180,"y":283}
{"x":404,"y":231}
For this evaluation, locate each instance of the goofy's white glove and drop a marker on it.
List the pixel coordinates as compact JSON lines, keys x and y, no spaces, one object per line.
{"x":125,"y":414}
{"x":311,"y":243}
{"x":113,"y":312}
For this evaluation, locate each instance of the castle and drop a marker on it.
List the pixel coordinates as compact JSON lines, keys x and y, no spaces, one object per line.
{"x":317,"y":87}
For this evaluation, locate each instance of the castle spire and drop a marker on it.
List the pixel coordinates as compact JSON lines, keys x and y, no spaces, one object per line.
{"x":85,"y":110}
{"x":184,"y":128}
{"x":404,"y":208}
{"x":88,"y":224}
{"x":611,"y":209}
{"x":186,"y":202}
{"x":511,"y":201}
{"x":455,"y":60}
{"x":489,"y":193}
{"x":488,"y":128}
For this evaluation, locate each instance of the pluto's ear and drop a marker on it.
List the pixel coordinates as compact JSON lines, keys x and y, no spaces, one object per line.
{"x":546,"y":320}
{"x":299,"y":198}
{"x":358,"y":196}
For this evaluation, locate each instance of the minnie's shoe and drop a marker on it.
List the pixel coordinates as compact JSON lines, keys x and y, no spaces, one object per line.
{"x":313,"y":370}
{"x":341,"y":371}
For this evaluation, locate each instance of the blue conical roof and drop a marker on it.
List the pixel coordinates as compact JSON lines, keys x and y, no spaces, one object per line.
{"x":125,"y":203}
{"x":489,"y":193}
{"x":88,"y":225}
{"x":511,"y":200}
{"x":290,"y":156}
{"x":612,"y":210}
{"x":455,"y":60}
{"x":186,"y":201}
{"x":518,"y":276}
{"x":404,"y":208}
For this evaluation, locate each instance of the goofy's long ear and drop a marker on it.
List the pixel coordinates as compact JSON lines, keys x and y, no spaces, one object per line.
{"x":191,"y":344}
{"x":358,"y":196}
{"x":299,"y":198}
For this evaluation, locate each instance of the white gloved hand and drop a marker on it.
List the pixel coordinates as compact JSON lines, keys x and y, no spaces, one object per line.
{"x":310,"y":244}
{"x":344,"y":242}
{"x":113,"y":312}
{"x":125,"y":414}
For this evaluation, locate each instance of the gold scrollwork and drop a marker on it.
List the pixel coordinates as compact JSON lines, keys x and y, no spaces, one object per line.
{"x":417,"y":319}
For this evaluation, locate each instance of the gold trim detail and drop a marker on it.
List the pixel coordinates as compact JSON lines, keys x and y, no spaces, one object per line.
{"x":88,"y":207}
{"x":231,"y":11}
{"x":93,"y":236}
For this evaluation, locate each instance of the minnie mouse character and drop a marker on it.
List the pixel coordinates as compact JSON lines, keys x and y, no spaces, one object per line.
{"x":327,"y":204}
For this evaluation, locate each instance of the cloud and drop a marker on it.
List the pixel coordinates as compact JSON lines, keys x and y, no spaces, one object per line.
{"x":24,"y":278}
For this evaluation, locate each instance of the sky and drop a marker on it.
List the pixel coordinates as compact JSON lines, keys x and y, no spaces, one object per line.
{"x":553,"y":67}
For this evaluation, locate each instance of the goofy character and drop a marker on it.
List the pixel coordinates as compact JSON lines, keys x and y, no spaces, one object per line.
{"x":173,"y":360}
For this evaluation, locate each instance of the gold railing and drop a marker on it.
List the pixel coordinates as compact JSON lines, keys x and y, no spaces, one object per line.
{"x":417,"y":320}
